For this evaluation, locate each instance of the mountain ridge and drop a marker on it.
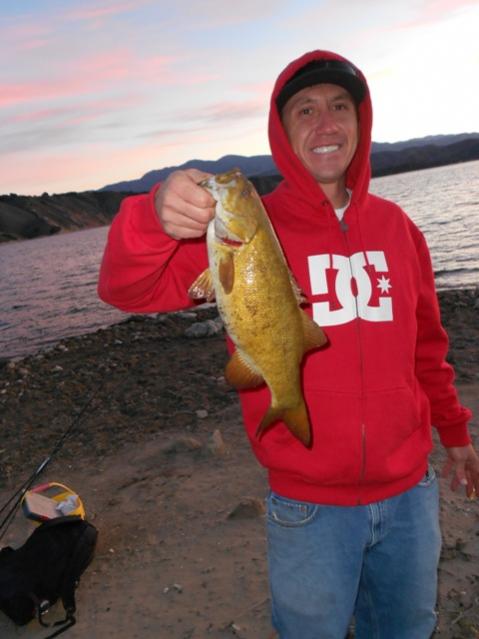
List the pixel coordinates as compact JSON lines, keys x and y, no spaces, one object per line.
{"x":416,"y":153}
{"x":25,"y":217}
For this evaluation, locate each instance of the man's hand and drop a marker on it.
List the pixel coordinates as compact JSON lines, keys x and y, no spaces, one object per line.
{"x":463,"y":462}
{"x":184,"y":208}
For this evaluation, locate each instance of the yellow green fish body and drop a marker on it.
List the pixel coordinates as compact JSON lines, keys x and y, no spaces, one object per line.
{"x":258,"y":302}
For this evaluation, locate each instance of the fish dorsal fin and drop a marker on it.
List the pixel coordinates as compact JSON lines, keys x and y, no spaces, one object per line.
{"x":240,"y":374}
{"x":314,"y":336}
{"x":202,"y":287}
{"x":226,"y":272}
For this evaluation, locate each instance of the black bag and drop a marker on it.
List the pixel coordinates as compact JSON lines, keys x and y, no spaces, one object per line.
{"x":46,"y":568}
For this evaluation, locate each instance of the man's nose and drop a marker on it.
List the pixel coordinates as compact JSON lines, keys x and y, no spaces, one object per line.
{"x":326,"y":122}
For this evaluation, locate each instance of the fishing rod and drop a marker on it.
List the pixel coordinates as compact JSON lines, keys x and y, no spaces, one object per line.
{"x":18,"y":495}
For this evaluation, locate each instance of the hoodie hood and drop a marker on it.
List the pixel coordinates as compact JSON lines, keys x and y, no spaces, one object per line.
{"x":297,"y":179}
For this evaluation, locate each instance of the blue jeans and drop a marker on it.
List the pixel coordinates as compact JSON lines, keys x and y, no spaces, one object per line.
{"x":377,"y":563}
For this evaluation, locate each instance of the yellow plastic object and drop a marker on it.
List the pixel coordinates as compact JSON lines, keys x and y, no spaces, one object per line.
{"x":51,"y":500}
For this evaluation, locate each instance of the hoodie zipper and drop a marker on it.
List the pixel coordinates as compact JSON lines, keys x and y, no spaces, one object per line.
{"x":362,"y":470}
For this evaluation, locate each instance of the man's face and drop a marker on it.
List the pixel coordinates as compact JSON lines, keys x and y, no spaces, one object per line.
{"x":322,"y":126}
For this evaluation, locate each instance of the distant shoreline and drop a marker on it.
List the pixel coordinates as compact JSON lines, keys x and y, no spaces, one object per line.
{"x":29,"y":216}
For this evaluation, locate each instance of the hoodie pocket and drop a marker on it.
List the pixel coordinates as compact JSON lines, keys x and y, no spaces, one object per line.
{"x":396,"y":439}
{"x":335,"y":456}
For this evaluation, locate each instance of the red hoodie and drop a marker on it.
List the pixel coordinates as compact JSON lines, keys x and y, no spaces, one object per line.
{"x":375,"y":391}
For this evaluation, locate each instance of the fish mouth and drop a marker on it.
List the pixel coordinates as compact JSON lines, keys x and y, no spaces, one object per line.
{"x":224,"y":235}
{"x":227,"y":241}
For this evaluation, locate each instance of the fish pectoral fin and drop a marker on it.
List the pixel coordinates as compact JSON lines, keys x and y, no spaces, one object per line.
{"x":295,"y":418}
{"x":314,"y":336}
{"x":226,"y":272}
{"x":240,"y":374}
{"x":202,"y":287}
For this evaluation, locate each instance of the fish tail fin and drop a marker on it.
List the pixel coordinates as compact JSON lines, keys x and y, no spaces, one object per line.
{"x":272,"y":415}
{"x":295,"y":418}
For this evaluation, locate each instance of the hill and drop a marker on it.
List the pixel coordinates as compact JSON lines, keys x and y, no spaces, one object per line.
{"x":254,"y":165}
{"x":423,"y":157}
{"x":26,"y":217}
{"x":386,"y":158}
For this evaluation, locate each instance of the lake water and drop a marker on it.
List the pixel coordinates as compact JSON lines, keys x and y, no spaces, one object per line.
{"x":48,"y":285}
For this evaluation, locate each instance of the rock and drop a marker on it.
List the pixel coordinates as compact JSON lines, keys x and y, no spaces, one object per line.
{"x":208,"y":328}
{"x":181,"y":445}
{"x":201,"y":413}
{"x":248,"y":508}
{"x":187,"y":315}
{"x":176,"y":587}
{"x":469,"y":629}
{"x":216,"y":445}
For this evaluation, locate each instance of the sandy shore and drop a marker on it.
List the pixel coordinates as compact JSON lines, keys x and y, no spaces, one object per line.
{"x":167,"y":476}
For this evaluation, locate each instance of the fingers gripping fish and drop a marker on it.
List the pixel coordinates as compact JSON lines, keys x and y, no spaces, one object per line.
{"x":258,"y":301}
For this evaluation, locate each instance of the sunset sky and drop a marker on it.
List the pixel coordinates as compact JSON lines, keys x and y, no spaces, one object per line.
{"x":94,"y":92}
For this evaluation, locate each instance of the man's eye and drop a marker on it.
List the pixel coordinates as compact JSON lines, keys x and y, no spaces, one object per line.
{"x":306,"y":111}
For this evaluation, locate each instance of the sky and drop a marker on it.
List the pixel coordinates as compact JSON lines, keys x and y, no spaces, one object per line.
{"x":96,"y":92}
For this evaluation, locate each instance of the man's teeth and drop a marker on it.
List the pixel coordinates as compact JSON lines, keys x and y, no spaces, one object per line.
{"x":326,"y":149}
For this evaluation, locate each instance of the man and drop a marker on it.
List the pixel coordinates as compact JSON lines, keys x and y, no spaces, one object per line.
{"x":352,"y":522}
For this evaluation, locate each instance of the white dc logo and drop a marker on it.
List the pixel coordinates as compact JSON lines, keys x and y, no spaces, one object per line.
{"x":351,"y":305}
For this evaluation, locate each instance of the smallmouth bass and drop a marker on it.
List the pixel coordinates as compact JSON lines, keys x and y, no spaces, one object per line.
{"x":258,"y":301}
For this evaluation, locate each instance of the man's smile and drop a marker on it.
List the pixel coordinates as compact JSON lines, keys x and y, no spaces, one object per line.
{"x":330,"y":148}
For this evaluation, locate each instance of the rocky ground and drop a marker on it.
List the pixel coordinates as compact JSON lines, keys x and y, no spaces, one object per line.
{"x":159,"y":457}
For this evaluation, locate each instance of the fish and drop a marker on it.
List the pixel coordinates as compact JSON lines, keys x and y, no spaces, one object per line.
{"x":258,"y":301}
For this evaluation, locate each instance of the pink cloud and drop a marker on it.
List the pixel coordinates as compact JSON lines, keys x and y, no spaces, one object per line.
{"x":25,"y":30}
{"x":84,"y":168}
{"x":108,"y":65}
{"x":258,"y":88}
{"x":77,"y":113}
{"x":53,"y":172}
{"x":76,"y":78}
{"x":433,"y":11}
{"x":93,"y":12}
{"x":229,"y":110}
{"x":93,"y":165}
{"x":37,"y":43}
{"x":99,"y":73}
{"x":15,"y":94}
{"x":37,"y":116}
{"x":26,"y":35}
{"x":213,"y":14}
